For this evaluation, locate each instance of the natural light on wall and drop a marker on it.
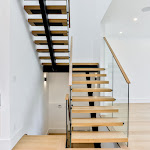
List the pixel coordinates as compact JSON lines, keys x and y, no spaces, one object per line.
{"x":45,"y":79}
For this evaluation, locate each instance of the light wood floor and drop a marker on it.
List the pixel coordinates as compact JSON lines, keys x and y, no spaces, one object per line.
{"x":139,"y":138}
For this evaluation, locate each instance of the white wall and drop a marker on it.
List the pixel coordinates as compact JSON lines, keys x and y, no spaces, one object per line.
{"x":23,"y":92}
{"x":4,"y":75}
{"x":86,"y":16}
{"x":132,"y":46}
{"x":133,"y":54}
{"x":58,"y":88}
{"x":28,"y":92}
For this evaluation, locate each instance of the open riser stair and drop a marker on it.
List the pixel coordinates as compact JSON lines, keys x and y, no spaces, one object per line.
{"x":92,"y":104}
{"x":50,"y":31}
{"x":86,"y":87}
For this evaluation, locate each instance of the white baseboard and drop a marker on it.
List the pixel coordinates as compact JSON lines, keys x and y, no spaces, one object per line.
{"x":8,"y":144}
{"x":144,"y":100}
{"x":5,"y":144}
{"x":61,"y":130}
{"x":133,"y":100}
{"x":16,"y":137}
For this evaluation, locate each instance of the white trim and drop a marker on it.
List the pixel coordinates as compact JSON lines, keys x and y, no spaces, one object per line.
{"x":14,"y":140}
{"x":133,"y":100}
{"x":5,"y":144}
{"x":140,"y":100}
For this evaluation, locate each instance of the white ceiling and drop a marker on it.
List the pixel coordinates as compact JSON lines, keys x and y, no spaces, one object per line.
{"x":119,"y":18}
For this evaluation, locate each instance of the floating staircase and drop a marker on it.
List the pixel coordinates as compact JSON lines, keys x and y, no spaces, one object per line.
{"x":87,"y":77}
{"x":53,"y":52}
{"x":49,"y":24}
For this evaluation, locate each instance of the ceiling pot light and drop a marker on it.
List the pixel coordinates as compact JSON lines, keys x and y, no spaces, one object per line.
{"x":120,"y":32}
{"x":146,"y":9}
{"x":135,"y":19}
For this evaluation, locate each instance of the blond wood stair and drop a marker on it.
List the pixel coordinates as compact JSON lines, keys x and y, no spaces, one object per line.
{"x":89,"y":75}
{"x":37,"y":33}
{"x":55,"y":50}
{"x":95,"y":122}
{"x":91,"y":98}
{"x":98,"y":137}
{"x":91,"y":90}
{"x":31,"y":8}
{"x":90,"y":82}
{"x":61,"y":42}
{"x":57,"y":57}
{"x":94,"y":109}
{"x":34,"y":22}
{"x":88,"y":69}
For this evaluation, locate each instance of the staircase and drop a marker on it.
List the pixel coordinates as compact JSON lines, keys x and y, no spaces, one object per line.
{"x":94,"y":136}
{"x":49,"y":23}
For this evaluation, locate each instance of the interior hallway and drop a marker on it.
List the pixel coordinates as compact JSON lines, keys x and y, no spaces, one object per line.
{"x":139,"y":137}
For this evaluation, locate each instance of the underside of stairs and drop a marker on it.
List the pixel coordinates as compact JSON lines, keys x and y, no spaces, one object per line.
{"x":49,"y":24}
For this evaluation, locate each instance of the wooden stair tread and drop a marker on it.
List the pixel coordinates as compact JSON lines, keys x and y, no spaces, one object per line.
{"x":88,"y":75}
{"x":57,"y":57}
{"x":91,"y":98}
{"x":98,"y":137}
{"x":39,"y":22}
{"x":91,"y":90}
{"x":90,"y":82}
{"x":89,"y":64}
{"x":55,"y":50}
{"x":39,"y":42}
{"x":94,"y":122}
{"x":36,"y":33}
{"x":58,"y":9}
{"x":88,"y":69}
{"x":58,"y":64}
{"x":94,"y":109}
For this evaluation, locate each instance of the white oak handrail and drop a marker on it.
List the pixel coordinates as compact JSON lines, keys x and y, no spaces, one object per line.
{"x":67,"y":97}
{"x":117,"y":61}
{"x":70,"y":64}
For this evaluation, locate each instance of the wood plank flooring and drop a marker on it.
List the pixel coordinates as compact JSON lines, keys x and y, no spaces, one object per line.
{"x":139,"y":138}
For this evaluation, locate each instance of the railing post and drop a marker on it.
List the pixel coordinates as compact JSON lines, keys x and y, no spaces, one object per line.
{"x":66,"y":124}
{"x":128,"y":115}
{"x":70,"y":116}
{"x":112,"y":83}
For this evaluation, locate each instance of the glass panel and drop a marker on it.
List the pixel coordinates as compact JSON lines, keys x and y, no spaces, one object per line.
{"x":108,"y":72}
{"x":120,"y":92}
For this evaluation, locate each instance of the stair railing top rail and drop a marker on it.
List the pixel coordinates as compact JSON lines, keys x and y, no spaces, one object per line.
{"x":67,"y":101}
{"x":117,"y":61}
{"x":70,"y":63}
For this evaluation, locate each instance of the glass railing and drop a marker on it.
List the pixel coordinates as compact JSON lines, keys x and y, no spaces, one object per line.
{"x":119,"y":83}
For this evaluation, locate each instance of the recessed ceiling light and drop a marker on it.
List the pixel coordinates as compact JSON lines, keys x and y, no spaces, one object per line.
{"x":120,"y":32}
{"x":146,"y":9}
{"x":135,"y":19}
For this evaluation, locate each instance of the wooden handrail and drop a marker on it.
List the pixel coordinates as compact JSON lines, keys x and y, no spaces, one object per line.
{"x":67,"y":97}
{"x":70,"y":64}
{"x":117,"y":61}
{"x":67,"y":103}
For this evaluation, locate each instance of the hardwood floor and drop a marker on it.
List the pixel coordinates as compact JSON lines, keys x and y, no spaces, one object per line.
{"x":139,"y":137}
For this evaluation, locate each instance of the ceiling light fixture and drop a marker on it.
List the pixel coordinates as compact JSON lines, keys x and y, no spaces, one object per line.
{"x":120,"y":32}
{"x":135,"y":19}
